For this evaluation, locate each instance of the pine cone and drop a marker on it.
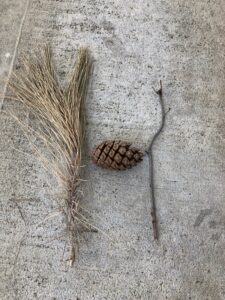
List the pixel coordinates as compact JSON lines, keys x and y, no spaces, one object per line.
{"x":116,"y":155}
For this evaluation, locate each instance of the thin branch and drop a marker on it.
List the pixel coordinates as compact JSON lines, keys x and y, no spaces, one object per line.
{"x":151,"y":163}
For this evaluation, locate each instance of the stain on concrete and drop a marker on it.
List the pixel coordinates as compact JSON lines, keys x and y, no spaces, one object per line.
{"x":213,"y":224}
{"x":216,"y":236}
{"x":202,"y":215}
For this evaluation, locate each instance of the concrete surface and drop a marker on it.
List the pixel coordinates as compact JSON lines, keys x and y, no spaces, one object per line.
{"x":134,"y":45}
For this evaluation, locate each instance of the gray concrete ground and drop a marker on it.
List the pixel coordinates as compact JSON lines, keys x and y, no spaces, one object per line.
{"x":134,"y":45}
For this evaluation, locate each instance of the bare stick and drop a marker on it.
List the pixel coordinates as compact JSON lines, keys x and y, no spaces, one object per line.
{"x":151,"y":165}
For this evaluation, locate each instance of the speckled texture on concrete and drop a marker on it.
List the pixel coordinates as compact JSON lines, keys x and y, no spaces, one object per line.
{"x":134,"y":44}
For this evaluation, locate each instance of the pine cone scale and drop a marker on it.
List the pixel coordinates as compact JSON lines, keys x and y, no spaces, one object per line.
{"x":112,"y":153}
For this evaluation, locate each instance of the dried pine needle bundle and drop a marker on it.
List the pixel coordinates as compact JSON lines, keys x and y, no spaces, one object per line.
{"x":60,"y":115}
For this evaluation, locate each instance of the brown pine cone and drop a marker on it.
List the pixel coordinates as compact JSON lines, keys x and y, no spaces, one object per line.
{"x":116,"y":155}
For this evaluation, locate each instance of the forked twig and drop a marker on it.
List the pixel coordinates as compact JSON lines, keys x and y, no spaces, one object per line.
{"x":149,"y":152}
